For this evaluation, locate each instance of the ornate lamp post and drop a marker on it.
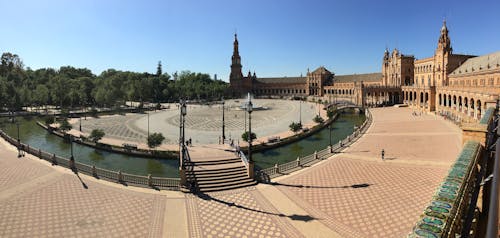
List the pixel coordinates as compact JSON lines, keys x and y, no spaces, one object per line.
{"x":18,"y":140}
{"x":223,"y":126}
{"x":148,"y":124}
{"x":250,"y":160}
{"x":182,"y":142}
{"x":80,"y":123}
{"x":330,"y":137}
{"x":72,"y":158}
{"x":300,"y":111}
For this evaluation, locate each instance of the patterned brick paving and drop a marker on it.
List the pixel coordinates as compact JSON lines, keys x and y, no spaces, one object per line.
{"x":365,"y":199}
{"x":62,"y":208}
{"x":19,"y":170}
{"x":239,"y":213}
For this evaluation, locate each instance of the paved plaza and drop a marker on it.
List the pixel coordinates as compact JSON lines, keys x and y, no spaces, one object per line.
{"x":352,"y":194}
{"x":204,"y":123}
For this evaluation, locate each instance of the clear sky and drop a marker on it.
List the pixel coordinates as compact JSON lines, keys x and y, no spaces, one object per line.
{"x":277,"y":37}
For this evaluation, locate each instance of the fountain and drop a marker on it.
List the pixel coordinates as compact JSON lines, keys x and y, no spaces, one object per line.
{"x":255,"y":107}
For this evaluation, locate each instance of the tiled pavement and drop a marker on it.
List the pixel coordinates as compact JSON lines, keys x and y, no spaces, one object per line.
{"x":239,"y":213}
{"x":354,"y":194}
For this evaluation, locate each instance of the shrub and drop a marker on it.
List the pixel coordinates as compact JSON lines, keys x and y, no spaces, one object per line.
{"x":295,"y":127}
{"x":244,"y":136}
{"x":155,"y":139}
{"x":318,"y":119}
{"x":96,"y":135}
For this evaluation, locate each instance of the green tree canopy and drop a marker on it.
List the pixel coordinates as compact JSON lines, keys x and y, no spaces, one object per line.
{"x":65,"y":126}
{"x":245,"y":136}
{"x":295,"y":127}
{"x":96,"y":135}
{"x":155,"y":139}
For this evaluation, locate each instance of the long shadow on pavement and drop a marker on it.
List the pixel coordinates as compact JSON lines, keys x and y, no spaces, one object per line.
{"x":296,"y":217}
{"x":362,"y":185}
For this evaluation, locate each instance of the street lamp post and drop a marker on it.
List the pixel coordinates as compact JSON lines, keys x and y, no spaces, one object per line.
{"x":72,"y":158}
{"x":300,"y":111}
{"x":148,"y":124}
{"x":18,"y":140}
{"x":80,"y":124}
{"x":330,"y":137}
{"x":182,"y":140}
{"x":223,"y":126}
{"x":250,"y":160}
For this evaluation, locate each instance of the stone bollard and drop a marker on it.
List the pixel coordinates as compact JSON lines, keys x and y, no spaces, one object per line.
{"x":54,"y":159}
{"x":94,"y":171}
{"x":120,"y":176}
{"x":40,"y":153}
{"x":315,"y":154}
{"x":298,"y":161}
{"x":349,"y":138}
{"x":331,"y":148}
{"x":150,"y":181}
{"x":276,"y":168}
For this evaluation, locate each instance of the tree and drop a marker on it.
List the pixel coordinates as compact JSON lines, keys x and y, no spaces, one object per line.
{"x":330,"y":112}
{"x":155,"y":140}
{"x":318,"y":119}
{"x":158,"y":69}
{"x":96,"y":135}
{"x":64,"y":126}
{"x":295,"y":127}
{"x":244,"y":136}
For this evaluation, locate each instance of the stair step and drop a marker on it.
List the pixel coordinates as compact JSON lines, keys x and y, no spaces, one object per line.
{"x":216,"y":171}
{"x":217,"y":176}
{"x":235,"y":186}
{"x":240,"y":179}
{"x":214,"y":162}
{"x":229,"y":183}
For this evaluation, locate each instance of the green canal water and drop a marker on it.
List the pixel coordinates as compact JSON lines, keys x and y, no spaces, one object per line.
{"x":35,"y":136}
{"x":341,"y":128}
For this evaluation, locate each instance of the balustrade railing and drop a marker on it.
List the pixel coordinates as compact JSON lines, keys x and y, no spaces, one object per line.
{"x":115,"y":176}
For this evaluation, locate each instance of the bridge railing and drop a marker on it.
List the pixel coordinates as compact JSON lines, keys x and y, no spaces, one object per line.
{"x":264,"y":175}
{"x":115,"y":176}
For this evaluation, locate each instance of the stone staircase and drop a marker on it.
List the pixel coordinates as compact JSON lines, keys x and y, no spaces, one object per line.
{"x":217,"y":175}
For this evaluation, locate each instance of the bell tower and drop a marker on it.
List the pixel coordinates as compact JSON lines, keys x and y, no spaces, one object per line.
{"x":441,"y":57}
{"x":236,"y":75}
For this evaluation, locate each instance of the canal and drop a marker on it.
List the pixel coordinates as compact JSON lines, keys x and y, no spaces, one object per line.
{"x":341,"y":128}
{"x":34,"y":135}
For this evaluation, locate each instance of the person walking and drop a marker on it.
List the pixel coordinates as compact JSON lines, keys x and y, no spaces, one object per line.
{"x":383,"y":154}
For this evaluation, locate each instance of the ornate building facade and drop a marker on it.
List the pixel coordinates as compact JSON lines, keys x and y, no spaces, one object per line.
{"x":462,"y":86}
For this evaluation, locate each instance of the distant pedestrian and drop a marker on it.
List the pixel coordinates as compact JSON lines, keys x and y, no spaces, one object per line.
{"x":383,"y":154}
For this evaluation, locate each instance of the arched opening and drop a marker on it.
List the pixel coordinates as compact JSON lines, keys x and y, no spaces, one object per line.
{"x":455,"y":102}
{"x":426,"y":99}
{"x":439,"y":100}
{"x":472,"y":111}
{"x":421,"y":97}
{"x":449,"y":100}
{"x":478,"y":109}
{"x":460,"y":103}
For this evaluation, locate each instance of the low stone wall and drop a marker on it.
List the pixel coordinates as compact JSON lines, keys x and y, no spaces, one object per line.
{"x":114,"y":176}
{"x":265,"y":175}
{"x":161,"y":154}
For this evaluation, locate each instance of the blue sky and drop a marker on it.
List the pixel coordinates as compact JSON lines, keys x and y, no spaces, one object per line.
{"x":277,"y":38}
